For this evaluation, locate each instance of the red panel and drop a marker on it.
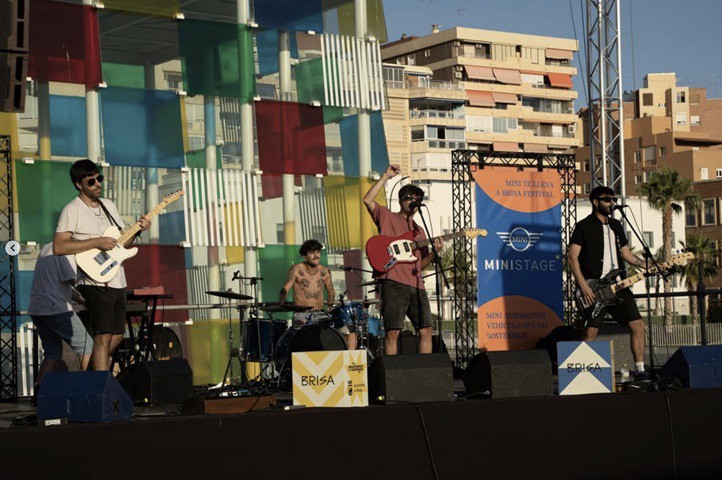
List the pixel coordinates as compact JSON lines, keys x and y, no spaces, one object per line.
{"x":272,"y":185}
{"x":161,"y":265}
{"x":291,"y":138}
{"x":353,"y":258}
{"x":64,"y":43}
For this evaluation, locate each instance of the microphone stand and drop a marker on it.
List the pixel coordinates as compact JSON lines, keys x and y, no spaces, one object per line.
{"x":440,"y":273}
{"x":647,"y":257}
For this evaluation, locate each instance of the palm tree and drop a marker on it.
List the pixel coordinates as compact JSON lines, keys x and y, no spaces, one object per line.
{"x":705,"y":256}
{"x":663,"y":190}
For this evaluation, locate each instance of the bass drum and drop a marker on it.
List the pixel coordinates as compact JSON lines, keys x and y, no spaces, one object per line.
{"x":318,"y":337}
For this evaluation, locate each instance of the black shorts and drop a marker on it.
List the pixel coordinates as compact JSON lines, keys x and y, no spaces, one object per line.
{"x":622,"y":313}
{"x":106,"y":309}
{"x":399,"y":301}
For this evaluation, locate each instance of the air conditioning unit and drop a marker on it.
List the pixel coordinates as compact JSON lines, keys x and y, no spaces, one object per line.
{"x":457,"y":43}
{"x":459,"y":68}
{"x":458,"y":75}
{"x":572,"y":128}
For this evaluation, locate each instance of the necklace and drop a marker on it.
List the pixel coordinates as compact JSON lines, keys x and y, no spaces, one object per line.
{"x":93,"y":210}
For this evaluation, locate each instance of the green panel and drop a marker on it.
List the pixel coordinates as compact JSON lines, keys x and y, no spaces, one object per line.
{"x":44,"y":188}
{"x":275,"y":260}
{"x":217,"y":59}
{"x":309,"y":80}
{"x":376,"y":20}
{"x":164,"y":8}
{"x":197,"y":158}
{"x":121,"y":75}
{"x":332,"y":114}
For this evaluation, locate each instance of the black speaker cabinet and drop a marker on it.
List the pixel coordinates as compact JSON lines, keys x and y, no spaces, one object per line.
{"x":698,"y":366}
{"x":411,"y":378}
{"x":83,"y":397}
{"x":159,"y":382}
{"x":522,"y":373}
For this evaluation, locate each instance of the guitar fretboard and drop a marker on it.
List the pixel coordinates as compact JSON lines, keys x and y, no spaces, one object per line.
{"x":135,"y":228}
{"x":449,"y":236}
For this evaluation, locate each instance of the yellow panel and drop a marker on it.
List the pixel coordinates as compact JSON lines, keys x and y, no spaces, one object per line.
{"x":208,"y":350}
{"x":347,"y":215}
{"x":184,"y":116}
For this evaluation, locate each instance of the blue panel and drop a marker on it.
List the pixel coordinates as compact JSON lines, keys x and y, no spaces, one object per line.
{"x":172,"y":228}
{"x":267,"y":42}
{"x":23,"y":285}
{"x":349,"y":145}
{"x":68,"y":135}
{"x":289,"y":14}
{"x":142,"y":128}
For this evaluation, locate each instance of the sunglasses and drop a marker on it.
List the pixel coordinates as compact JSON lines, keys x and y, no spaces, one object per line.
{"x":608,"y":199}
{"x":92,"y":181}
{"x":410,"y":197}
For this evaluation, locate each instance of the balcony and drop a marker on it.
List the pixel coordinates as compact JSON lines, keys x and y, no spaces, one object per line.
{"x":429,"y":113}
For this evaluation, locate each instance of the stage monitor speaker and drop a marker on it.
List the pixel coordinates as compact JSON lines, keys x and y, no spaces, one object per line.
{"x":697,"y":366}
{"x":14,"y":25}
{"x":158,"y":382}
{"x":83,"y":397}
{"x":520,"y":373}
{"x":411,"y":378}
{"x":13,"y":70}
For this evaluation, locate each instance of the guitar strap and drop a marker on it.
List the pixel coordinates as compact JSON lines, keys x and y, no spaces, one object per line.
{"x":110,"y":217}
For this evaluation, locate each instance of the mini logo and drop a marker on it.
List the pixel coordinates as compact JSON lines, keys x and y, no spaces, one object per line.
{"x":520,"y":239}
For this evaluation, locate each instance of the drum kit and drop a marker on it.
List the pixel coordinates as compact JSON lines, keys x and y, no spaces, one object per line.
{"x":271,"y":341}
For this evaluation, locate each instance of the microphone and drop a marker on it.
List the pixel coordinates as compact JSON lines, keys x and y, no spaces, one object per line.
{"x":413,"y":205}
{"x":343,"y":267}
{"x":619,"y":207}
{"x":236,"y":275}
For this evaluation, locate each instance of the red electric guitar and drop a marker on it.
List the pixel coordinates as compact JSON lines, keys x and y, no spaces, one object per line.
{"x":384,"y":252}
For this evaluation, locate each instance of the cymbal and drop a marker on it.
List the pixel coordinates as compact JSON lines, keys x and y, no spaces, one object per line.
{"x":282,"y":307}
{"x":231,"y":295}
{"x":368,"y":284}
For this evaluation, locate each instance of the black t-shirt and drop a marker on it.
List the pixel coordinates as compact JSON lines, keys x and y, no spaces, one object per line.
{"x":589,"y":234}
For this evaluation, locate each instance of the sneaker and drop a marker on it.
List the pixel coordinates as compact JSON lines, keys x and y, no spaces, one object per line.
{"x":641,"y":376}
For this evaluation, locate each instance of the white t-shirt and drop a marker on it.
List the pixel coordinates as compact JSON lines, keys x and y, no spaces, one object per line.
{"x":85,"y":222}
{"x":51,"y":291}
{"x":610,"y":249}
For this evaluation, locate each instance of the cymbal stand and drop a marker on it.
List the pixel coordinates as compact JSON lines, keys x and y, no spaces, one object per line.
{"x":251,"y":282}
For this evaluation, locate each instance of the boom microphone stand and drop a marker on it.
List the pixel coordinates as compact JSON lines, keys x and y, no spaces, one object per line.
{"x":440,"y":273}
{"x":647,"y":257}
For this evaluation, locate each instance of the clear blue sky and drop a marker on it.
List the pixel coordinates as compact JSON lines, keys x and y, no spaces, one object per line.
{"x":664,"y":35}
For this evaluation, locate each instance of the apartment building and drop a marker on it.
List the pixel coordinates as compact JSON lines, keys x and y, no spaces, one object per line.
{"x":518,"y":88}
{"x":664,"y":125}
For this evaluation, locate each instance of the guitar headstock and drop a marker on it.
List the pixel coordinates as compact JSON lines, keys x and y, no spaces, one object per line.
{"x":172,"y":197}
{"x":681,"y":258}
{"x":475,"y":232}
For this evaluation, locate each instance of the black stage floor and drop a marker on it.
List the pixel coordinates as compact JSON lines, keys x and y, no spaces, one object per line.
{"x":629,"y":435}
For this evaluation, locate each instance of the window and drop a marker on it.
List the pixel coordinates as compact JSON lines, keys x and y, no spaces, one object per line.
{"x":427,"y":53}
{"x":174,"y":80}
{"x":646,"y":176}
{"x":650,"y":153}
{"x":280,"y":235}
{"x":195,"y":143}
{"x":586,"y":166}
{"x":718,"y":173}
{"x":680,"y":118}
{"x":690,"y":217}
{"x":417,"y":134}
{"x":680,"y":97}
{"x":637,"y":179}
{"x":648,"y":238}
{"x":411,"y":59}
{"x":709,"y":216}
{"x":483,"y":50}
{"x":637,"y":156}
{"x":694,"y":120}
{"x":704,"y":173}
{"x":662,"y":151}
{"x":647,"y":99}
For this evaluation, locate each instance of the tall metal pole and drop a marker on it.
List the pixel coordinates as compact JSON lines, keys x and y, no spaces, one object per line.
{"x":364,"y":132}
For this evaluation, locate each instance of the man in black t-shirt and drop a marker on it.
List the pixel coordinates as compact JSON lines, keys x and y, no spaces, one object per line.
{"x":598,"y":246}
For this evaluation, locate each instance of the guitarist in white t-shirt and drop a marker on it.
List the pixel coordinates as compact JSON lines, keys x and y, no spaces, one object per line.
{"x":80,"y":227}
{"x":598,"y":246}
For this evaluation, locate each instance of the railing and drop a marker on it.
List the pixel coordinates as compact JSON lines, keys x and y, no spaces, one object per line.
{"x":435,"y":84}
{"x":436,"y":114}
{"x":679,"y":335}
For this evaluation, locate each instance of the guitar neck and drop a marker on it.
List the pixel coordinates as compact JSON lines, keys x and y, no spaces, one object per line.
{"x":130,"y":232}
{"x":429,"y":241}
{"x":629,"y":281}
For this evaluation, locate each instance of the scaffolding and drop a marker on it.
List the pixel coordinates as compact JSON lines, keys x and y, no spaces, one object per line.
{"x":8,"y":322}
{"x":463,"y":165}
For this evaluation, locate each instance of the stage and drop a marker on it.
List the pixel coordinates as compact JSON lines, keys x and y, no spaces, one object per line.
{"x":636,"y":435}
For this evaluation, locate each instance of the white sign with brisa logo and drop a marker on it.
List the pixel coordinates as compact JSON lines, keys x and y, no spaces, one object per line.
{"x":330,"y":379}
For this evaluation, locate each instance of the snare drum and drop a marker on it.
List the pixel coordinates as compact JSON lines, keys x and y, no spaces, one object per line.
{"x":350,"y":313}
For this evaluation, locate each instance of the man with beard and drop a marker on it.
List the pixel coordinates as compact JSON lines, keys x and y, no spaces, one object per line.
{"x":81,"y":226}
{"x":598,"y":246}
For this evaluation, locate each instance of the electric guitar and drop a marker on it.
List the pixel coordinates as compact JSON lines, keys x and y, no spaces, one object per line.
{"x":605,"y":289}
{"x":102,"y":265}
{"x":384,"y":252}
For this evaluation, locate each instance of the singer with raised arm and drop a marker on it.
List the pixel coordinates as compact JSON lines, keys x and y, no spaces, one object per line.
{"x":308,"y":280}
{"x":402,"y":287}
{"x":598,"y":246}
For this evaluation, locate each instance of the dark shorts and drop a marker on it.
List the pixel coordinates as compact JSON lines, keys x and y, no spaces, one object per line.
{"x":106,"y":309}
{"x":399,"y":301}
{"x":622,"y":313}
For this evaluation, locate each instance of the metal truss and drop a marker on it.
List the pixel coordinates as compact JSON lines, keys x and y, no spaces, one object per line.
{"x":604,"y":79}
{"x":463,"y":164}
{"x":8,"y":323}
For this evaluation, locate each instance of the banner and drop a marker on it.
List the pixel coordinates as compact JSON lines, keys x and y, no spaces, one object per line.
{"x":330,"y":379}
{"x":519,"y":264}
{"x":586,"y":367}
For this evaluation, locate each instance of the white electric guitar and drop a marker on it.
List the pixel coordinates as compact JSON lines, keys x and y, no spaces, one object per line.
{"x":102,"y":265}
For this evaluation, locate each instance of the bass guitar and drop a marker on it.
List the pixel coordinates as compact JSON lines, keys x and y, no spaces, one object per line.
{"x":605,"y":289}
{"x":384,"y":251}
{"x":102,"y":265}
